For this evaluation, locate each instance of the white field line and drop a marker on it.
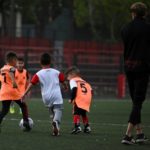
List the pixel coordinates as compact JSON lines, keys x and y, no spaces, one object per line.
{"x":101,"y":124}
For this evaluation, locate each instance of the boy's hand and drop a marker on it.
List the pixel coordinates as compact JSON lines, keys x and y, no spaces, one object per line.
{"x":15,"y":85}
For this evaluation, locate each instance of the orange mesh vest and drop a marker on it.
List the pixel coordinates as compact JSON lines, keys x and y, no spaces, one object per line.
{"x":1,"y":78}
{"x":84,"y":95}
{"x":21,"y":80}
{"x":7,"y":91}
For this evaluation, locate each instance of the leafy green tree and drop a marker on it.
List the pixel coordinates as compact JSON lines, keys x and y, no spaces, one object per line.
{"x":105,"y":17}
{"x":38,"y":12}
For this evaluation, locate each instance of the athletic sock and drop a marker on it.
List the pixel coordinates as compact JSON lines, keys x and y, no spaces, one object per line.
{"x":85,"y":120}
{"x":76,"y":120}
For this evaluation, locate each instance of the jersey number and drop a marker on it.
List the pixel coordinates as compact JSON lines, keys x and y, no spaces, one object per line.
{"x":84,"y":89}
{"x":4,"y":75}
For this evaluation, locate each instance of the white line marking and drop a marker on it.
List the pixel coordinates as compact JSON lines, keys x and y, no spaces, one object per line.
{"x":101,"y":124}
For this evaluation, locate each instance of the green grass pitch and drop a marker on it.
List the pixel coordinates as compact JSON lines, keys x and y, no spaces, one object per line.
{"x":108,"y":120}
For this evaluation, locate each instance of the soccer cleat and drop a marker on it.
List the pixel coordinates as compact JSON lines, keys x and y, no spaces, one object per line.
{"x":140,"y":138}
{"x":27,"y":126}
{"x":87,"y":129}
{"x":76,"y":130}
{"x":128,"y":140}
{"x":55,"y":128}
{"x":12,"y":109}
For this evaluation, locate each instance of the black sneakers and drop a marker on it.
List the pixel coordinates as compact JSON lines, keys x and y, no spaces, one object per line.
{"x":76,"y":130}
{"x":27,"y":126}
{"x":140,"y":138}
{"x":128,"y":140}
{"x":87,"y":129}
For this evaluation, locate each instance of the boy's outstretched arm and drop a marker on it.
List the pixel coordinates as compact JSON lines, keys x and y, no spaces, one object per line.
{"x":26,"y":91}
{"x":34,"y":81}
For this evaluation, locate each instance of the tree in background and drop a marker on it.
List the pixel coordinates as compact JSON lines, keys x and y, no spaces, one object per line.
{"x":7,"y":9}
{"x":38,"y":12}
{"x":104,"y":18}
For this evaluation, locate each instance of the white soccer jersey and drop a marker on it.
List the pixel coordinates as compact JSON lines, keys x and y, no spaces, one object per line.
{"x":50,"y":86}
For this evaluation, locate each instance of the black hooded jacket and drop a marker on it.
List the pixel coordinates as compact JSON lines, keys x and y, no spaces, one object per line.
{"x":136,"y":40}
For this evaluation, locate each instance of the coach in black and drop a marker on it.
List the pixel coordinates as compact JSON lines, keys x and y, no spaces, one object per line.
{"x":136,"y":40}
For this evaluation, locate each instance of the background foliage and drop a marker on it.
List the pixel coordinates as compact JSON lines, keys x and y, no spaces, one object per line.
{"x":103,"y":18}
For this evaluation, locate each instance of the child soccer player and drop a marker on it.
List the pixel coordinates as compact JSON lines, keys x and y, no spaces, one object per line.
{"x":9,"y":90}
{"x":49,"y":80}
{"x":22,"y":80}
{"x":81,"y":95}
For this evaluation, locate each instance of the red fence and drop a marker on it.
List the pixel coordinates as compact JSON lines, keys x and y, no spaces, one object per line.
{"x":19,"y":43}
{"x":92,"y":50}
{"x":99,"y":62}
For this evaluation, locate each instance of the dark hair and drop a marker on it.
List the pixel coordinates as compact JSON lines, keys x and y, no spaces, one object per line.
{"x":72,"y":70}
{"x":10,"y":56}
{"x":45,"y":59}
{"x":20,"y":59}
{"x":139,"y":9}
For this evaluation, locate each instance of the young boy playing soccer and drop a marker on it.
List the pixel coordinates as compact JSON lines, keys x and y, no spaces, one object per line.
{"x":9,"y":90}
{"x":81,"y":95}
{"x":49,"y":80}
{"x":22,"y":80}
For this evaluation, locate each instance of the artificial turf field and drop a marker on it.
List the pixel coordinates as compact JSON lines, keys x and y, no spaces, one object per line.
{"x":108,"y":122}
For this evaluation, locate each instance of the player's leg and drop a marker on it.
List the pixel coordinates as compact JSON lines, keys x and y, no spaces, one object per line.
{"x":51,"y":113}
{"x":25,"y":114}
{"x":139,"y":97}
{"x":5,"y":110}
{"x":140,"y":137}
{"x":57,"y":115}
{"x":12,"y":108}
{"x":139,"y":93}
{"x":137,"y":85}
{"x":128,"y":139}
{"x":76,"y":120}
{"x":85,"y":120}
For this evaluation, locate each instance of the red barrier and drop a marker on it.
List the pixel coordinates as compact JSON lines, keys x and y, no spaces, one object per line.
{"x":121,"y":87}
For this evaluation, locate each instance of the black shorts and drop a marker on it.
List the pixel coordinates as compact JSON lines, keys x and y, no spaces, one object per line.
{"x":79,"y":111}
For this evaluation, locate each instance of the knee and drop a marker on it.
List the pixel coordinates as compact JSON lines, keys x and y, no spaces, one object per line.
{"x":139,"y":98}
{"x":137,"y":106}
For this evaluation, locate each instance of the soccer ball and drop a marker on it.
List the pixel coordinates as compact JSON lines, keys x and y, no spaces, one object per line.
{"x":31,"y":123}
